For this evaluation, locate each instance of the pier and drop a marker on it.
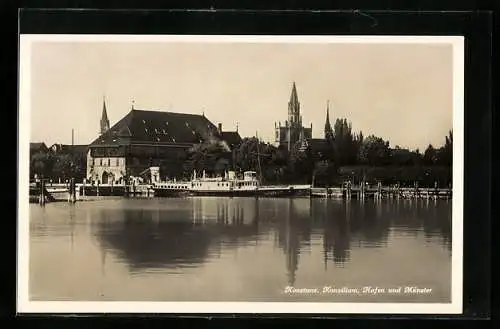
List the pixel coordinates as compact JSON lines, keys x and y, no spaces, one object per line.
{"x":379,"y":192}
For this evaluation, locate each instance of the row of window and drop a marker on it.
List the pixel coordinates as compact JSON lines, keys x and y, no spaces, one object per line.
{"x":108,"y":162}
{"x":175,"y":187}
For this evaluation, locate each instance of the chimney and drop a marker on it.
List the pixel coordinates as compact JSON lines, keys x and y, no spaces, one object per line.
{"x":219,"y":128}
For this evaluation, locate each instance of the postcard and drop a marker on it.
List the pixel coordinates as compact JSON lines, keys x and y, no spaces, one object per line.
{"x":240,"y":174}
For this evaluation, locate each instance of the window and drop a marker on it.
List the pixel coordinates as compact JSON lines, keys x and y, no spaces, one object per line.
{"x":144,"y":121}
{"x":109,"y":162}
{"x":93,"y":161}
{"x":117,"y":162}
{"x":100,"y":162}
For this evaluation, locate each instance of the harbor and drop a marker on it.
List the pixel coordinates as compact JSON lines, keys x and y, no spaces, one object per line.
{"x":255,"y":173}
{"x":227,"y":186}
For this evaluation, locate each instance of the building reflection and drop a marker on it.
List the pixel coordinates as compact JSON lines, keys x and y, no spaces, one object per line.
{"x":332,"y":220}
{"x":176,"y":237}
{"x":294,"y":233}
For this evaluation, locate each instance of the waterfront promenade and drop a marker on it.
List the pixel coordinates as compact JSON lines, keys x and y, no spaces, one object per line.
{"x":82,"y":192}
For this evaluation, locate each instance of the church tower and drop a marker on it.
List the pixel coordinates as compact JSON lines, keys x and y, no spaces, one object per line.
{"x":328,"y":126}
{"x":104,"y":118}
{"x":294,"y":108}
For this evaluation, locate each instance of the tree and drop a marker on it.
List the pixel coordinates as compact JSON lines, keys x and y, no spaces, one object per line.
{"x":301,"y":163}
{"x":446,"y":152}
{"x":345,"y":143}
{"x":41,"y":164}
{"x":430,"y":155}
{"x":374,"y":151}
{"x":63,"y":166}
{"x":204,"y":156}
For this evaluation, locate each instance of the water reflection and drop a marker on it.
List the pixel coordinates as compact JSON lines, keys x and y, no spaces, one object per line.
{"x":179,"y":236}
{"x":192,"y":234}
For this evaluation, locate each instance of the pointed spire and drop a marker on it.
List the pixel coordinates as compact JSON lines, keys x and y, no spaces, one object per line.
{"x":104,"y":117}
{"x":293,"y":97}
{"x":104,"y":111}
{"x":294,"y":107}
{"x":328,"y":126}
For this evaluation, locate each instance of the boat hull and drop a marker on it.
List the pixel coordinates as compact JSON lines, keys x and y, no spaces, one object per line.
{"x":270,"y":192}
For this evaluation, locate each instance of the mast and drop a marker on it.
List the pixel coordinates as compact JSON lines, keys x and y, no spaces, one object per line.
{"x":258,"y":156}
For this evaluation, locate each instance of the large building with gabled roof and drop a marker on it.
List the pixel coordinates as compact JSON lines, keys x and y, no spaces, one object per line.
{"x":146,"y":138}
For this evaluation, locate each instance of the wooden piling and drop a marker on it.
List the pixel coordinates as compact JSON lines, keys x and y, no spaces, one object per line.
{"x":41,"y":197}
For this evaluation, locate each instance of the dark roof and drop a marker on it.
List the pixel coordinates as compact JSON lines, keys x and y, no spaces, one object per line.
{"x":38,"y":147}
{"x":232,"y":138}
{"x":65,"y":148}
{"x":140,"y":126}
{"x":316,"y":144}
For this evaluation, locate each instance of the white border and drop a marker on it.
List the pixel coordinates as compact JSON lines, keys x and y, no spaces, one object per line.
{"x":24,"y":305}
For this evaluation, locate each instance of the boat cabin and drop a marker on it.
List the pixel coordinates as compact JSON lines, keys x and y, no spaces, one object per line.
{"x":230,"y":182}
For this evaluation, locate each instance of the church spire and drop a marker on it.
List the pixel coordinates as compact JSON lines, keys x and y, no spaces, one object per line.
{"x":328,"y":126}
{"x":294,"y":106}
{"x":104,"y":117}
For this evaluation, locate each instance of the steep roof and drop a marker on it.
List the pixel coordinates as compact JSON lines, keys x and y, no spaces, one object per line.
{"x":144,"y":126}
{"x":232,"y":138}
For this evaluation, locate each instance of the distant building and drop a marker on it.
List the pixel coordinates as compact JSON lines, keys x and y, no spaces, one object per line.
{"x":320,"y":148}
{"x":76,"y":150}
{"x":38,"y":147}
{"x":144,"y":139}
{"x":293,"y":131}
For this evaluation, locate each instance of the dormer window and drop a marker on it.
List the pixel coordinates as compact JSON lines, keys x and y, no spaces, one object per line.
{"x":144,"y":121}
{"x":166,"y":122}
{"x":146,"y":130}
{"x":164,"y":132}
{"x":173,"y":139}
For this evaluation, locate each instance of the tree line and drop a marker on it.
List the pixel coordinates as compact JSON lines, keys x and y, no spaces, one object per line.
{"x":344,"y":156}
{"x":58,"y":165}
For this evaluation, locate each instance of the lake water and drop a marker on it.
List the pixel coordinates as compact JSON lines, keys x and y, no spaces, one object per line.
{"x":241,"y":249}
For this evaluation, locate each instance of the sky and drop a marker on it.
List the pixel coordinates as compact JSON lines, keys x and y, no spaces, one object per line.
{"x":400,"y":92}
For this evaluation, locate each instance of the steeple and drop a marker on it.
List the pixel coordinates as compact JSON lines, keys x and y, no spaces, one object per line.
{"x":104,"y":117}
{"x":294,"y":106}
{"x":328,"y":127}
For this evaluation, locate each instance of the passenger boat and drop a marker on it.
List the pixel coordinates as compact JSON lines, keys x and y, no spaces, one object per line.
{"x":248,"y":185}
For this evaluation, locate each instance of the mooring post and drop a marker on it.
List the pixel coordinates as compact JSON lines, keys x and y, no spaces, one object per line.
{"x":97,"y":188}
{"x":362,"y":190}
{"x":73,"y":190}
{"x":41,"y":199}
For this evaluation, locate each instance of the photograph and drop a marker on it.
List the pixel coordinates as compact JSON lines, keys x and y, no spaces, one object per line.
{"x":240,"y":174}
